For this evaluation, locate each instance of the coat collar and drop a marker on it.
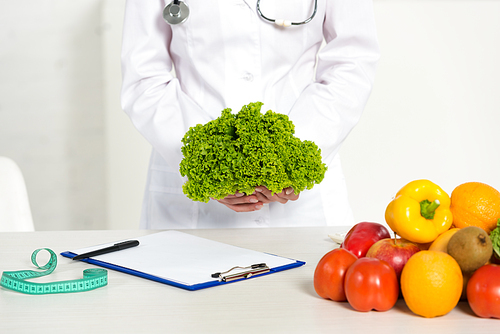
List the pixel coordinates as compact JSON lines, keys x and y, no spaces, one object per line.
{"x":251,"y":3}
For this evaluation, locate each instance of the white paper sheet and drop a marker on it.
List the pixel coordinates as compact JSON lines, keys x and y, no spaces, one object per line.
{"x":184,"y":258}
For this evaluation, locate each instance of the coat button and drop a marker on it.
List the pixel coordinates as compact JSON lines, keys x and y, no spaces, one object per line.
{"x":248,"y":77}
{"x":260,"y":221}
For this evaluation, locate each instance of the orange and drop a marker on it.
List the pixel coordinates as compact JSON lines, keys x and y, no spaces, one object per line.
{"x":431,"y":283}
{"x":475,"y":204}
{"x":441,"y":242}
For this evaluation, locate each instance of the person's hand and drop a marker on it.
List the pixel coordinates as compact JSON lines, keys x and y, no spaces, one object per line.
{"x":240,"y":202}
{"x":264,"y":195}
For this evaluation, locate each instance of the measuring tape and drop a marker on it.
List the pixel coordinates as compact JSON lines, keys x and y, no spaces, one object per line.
{"x":15,"y":280}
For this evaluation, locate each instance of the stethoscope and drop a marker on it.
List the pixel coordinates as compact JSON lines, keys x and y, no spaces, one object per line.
{"x":177,"y":12}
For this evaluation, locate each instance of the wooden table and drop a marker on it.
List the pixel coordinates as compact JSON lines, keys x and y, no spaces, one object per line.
{"x":284,"y":302}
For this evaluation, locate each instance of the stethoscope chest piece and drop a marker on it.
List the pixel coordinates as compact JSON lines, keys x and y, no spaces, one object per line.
{"x":176,"y":12}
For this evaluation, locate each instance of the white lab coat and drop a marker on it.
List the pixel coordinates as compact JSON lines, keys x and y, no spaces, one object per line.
{"x":226,"y":55}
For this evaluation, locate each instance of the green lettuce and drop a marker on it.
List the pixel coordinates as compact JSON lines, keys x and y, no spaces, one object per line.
{"x":495,"y":239}
{"x":237,"y":152}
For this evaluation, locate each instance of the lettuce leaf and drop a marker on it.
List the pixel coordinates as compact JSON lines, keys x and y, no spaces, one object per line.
{"x":238,"y":152}
{"x":495,"y":239}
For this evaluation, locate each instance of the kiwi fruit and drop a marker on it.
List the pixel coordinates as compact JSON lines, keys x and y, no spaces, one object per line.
{"x":470,"y":247}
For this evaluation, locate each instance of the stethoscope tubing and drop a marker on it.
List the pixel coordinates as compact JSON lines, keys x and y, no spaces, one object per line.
{"x":292,"y":23}
{"x":182,"y":13}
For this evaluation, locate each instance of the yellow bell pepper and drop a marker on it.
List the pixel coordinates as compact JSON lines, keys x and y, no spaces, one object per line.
{"x":420,"y":212}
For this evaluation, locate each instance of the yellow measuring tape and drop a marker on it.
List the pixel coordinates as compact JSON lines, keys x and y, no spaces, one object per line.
{"x":15,"y":280}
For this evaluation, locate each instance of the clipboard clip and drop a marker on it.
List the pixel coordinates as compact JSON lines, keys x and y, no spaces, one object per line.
{"x":254,"y":269}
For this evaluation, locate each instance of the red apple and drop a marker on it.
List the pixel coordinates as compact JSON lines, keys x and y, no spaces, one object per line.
{"x":362,"y":236}
{"x":396,"y":252}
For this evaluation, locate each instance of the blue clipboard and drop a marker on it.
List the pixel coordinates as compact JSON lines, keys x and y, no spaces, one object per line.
{"x":188,"y":262}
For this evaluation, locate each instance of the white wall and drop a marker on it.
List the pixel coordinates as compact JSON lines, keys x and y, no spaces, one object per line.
{"x":127,"y":151}
{"x":433,"y":112}
{"x":435,"y":108}
{"x":51,"y":108}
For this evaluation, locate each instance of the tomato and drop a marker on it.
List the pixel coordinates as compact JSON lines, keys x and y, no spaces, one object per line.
{"x":371,"y":284}
{"x":483,"y":291}
{"x":330,"y":272}
{"x":362,"y":236}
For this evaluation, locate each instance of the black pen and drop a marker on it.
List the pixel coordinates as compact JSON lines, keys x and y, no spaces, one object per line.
{"x":114,"y":248}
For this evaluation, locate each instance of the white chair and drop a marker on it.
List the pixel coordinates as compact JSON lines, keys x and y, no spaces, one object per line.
{"x":15,"y":212}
